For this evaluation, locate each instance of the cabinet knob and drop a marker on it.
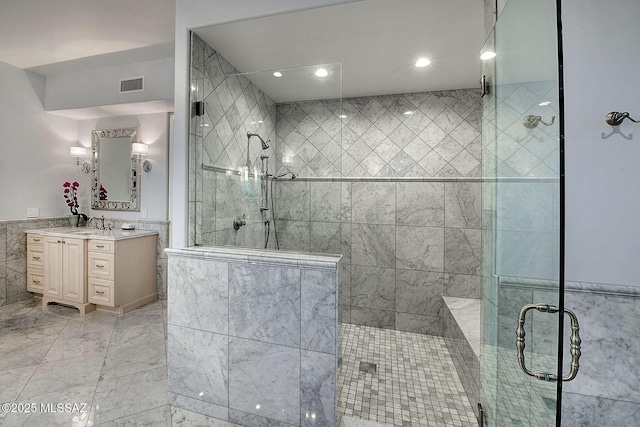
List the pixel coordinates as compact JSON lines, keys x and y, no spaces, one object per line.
{"x":36,"y":258}
{"x":37,"y":282}
{"x":100,"y":292}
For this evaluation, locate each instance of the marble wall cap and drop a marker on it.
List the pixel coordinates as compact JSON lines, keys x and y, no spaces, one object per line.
{"x":259,"y":256}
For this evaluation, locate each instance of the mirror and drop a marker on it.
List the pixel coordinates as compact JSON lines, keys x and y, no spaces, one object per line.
{"x":115,"y":172}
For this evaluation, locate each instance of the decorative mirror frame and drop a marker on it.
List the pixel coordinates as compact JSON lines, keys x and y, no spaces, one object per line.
{"x":133,"y":204}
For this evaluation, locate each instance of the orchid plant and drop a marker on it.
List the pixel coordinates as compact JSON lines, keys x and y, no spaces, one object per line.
{"x":71,"y":197}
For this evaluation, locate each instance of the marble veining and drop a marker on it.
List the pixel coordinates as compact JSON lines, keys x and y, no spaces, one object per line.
{"x":318,"y":311}
{"x":317,"y":395}
{"x":198,"y":364}
{"x":264,"y":303}
{"x":277,"y":394}
{"x":199,"y":294}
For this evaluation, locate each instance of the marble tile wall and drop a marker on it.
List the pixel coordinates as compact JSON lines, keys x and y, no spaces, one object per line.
{"x":233,"y":107}
{"x":422,"y":134}
{"x":251,"y":341}
{"x":605,"y":391}
{"x":398,"y":238}
{"x":405,"y":245}
{"x":13,"y":253}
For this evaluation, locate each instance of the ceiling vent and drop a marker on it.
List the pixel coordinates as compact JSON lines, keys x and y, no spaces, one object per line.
{"x":132,"y":84}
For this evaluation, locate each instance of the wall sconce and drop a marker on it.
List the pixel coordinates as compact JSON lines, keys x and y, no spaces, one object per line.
{"x":140,"y":150}
{"x":78,"y":152}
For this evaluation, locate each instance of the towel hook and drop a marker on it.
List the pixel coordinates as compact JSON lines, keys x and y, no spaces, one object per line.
{"x":614,"y":118}
{"x":531,"y":121}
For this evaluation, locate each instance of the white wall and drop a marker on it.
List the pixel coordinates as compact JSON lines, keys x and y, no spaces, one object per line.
{"x":154,"y":186}
{"x":192,"y":14}
{"x":101,"y":87}
{"x":34,"y":148}
{"x":601,"y":69}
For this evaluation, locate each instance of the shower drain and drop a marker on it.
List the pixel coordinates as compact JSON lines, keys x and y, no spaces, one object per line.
{"x":367,"y":368}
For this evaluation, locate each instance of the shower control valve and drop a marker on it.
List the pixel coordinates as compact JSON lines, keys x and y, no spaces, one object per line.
{"x":239,"y":222}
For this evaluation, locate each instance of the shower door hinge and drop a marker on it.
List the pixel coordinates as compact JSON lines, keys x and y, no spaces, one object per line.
{"x":481,"y":415}
{"x":484,"y":86}
{"x":199,"y":108}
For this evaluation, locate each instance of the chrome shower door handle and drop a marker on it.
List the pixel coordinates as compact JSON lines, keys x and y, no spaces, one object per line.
{"x":575,"y":342}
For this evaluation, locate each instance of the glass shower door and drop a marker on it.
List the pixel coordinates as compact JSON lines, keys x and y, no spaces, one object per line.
{"x":522,"y":225}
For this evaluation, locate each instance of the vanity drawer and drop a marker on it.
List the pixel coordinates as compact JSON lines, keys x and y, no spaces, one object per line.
{"x":34,"y":239}
{"x":101,"y":292}
{"x":35,"y":256}
{"x":35,"y":281}
{"x":106,"y":246}
{"x":101,"y":266}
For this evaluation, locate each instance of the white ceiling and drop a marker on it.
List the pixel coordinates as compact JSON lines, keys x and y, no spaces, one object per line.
{"x":376,"y":41}
{"x":58,"y":36}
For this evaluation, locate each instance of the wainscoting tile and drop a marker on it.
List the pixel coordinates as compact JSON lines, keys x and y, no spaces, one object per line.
{"x":610,"y":343}
{"x":16,"y":280}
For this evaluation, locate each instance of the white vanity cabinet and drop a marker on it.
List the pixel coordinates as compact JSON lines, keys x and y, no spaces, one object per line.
{"x":122,"y":273}
{"x":109,"y":270}
{"x":35,"y":263}
{"x":65,"y":278}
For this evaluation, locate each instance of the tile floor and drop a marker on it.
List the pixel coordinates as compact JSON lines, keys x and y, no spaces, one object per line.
{"x":419,"y":386}
{"x":114,"y":369}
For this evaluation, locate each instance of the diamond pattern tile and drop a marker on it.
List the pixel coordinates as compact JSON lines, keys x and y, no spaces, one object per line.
{"x":377,"y":137}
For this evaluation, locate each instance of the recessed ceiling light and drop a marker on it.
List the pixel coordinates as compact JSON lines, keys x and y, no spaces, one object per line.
{"x":321,"y":72}
{"x":277,"y":74}
{"x":422,"y":62}
{"x":544,"y":103}
{"x":342,"y":116}
{"x":487,"y":55}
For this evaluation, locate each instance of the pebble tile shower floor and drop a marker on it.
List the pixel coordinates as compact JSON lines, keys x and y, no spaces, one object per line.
{"x":415,"y":382}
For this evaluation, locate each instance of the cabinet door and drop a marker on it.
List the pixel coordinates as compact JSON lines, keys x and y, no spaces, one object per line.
{"x":74,"y":270}
{"x":53,"y":267}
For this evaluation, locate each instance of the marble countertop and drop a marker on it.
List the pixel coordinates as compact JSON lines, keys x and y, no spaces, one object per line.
{"x":91,"y":233}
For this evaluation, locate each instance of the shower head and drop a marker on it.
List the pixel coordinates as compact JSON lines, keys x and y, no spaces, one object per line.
{"x":265,"y":145}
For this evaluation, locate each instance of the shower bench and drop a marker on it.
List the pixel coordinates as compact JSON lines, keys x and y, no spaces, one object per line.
{"x":462,"y":336}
